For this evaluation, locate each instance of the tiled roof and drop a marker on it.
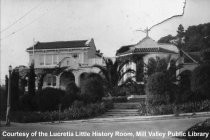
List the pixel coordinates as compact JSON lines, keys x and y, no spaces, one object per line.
{"x":124,"y":49}
{"x":60,"y":44}
{"x":147,"y":45}
{"x":150,"y":50}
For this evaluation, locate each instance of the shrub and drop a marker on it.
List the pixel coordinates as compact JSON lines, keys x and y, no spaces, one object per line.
{"x":184,"y":87}
{"x":189,"y":107}
{"x":201,"y":127}
{"x":26,"y":102}
{"x":92,"y":89}
{"x":70,"y":96}
{"x":78,"y":110}
{"x":200,"y":81}
{"x":48,"y":99}
{"x":158,"y":89}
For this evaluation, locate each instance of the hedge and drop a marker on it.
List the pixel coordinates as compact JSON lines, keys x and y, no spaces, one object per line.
{"x":78,"y":110}
{"x":189,"y":107}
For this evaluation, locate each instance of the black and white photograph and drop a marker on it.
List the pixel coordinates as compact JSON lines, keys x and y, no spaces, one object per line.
{"x":105,"y":69}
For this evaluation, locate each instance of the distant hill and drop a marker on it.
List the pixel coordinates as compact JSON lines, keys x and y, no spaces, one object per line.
{"x":197,"y":38}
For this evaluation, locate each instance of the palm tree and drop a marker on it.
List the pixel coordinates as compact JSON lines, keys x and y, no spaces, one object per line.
{"x":113,"y":74}
{"x":166,"y":65}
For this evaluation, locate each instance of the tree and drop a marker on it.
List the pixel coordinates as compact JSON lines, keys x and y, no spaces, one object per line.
{"x":184,"y":85}
{"x":31,"y":80}
{"x":15,"y":89}
{"x":166,"y":39}
{"x":205,"y":56}
{"x":112,"y":72}
{"x":157,"y":89}
{"x":70,"y":96}
{"x":92,"y":89}
{"x":180,"y":31}
{"x":166,"y":65}
{"x":200,"y":81}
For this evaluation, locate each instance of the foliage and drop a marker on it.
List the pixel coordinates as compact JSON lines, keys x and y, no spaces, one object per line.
{"x":70,"y":96}
{"x":26,"y":102}
{"x":205,"y":56}
{"x":113,"y":74}
{"x":184,"y":86}
{"x":77,"y":111}
{"x":166,"y":39}
{"x":48,"y":99}
{"x":3,"y":99}
{"x":166,"y":65}
{"x":187,"y":107}
{"x":200,"y":81}
{"x":159,"y":89}
{"x":92,"y":89}
{"x":31,"y":80}
{"x":157,"y":65}
{"x":180,"y":31}
{"x":201,"y":127}
{"x":197,"y":38}
{"x":14,"y":89}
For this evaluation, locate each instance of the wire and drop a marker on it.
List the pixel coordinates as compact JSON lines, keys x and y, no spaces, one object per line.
{"x":15,"y":22}
{"x":22,"y":28}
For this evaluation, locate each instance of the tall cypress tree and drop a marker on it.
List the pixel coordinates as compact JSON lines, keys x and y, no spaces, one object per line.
{"x":14,"y":89}
{"x":31,"y":80}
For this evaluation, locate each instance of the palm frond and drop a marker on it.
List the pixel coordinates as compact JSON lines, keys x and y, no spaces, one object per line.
{"x":127,"y":71}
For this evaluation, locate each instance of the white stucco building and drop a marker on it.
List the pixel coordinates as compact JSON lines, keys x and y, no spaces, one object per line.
{"x":76,"y":57}
{"x":143,"y":50}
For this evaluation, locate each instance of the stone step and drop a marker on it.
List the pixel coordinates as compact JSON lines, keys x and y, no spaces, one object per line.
{"x":126,"y":105}
{"x":123,"y":110}
{"x":116,"y":113}
{"x":120,"y":113}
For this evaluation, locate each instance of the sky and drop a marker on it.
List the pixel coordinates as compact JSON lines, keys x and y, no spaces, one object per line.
{"x":111,"y":23}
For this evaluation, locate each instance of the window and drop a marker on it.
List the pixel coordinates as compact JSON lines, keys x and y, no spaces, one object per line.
{"x":54,"y":80}
{"x":49,"y":79}
{"x":67,"y":62}
{"x":48,"y":60}
{"x":75,"y":55}
{"x":55,"y":59}
{"x":41,"y":59}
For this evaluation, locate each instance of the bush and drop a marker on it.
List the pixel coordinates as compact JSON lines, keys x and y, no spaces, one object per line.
{"x":26,"y":102}
{"x":184,"y":87}
{"x":200,"y":82}
{"x":201,"y":127}
{"x":159,"y":89}
{"x":92,"y":89}
{"x":78,"y":110}
{"x":70,"y":96}
{"x":48,"y":99}
{"x":189,"y":107}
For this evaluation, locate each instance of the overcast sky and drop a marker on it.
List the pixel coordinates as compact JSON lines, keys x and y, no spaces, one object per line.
{"x":112,"y":23}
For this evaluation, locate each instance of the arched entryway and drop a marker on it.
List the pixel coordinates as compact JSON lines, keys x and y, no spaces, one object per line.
{"x":82,"y":78}
{"x":66,"y":78}
{"x":49,"y":80}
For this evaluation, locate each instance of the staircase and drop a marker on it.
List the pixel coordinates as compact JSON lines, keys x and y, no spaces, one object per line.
{"x":122,"y":110}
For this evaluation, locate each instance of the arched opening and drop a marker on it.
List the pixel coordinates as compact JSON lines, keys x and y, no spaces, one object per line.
{"x":49,"y":80}
{"x":82,"y":77}
{"x":66,"y":78}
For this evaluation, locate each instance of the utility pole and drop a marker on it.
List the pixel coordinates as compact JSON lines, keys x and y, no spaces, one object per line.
{"x":9,"y":98}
